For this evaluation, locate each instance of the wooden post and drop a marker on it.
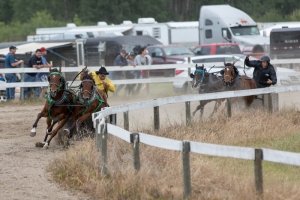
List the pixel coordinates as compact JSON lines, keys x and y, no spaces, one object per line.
{"x":189,"y":72}
{"x":188,"y":113}
{"x":134,"y":138}
{"x":258,"y":171}
{"x":97,"y":135}
{"x":186,"y":169}
{"x":63,"y":64}
{"x":228,"y":102}
{"x":22,"y":80}
{"x":270,"y":103}
{"x":156,"y":118}
{"x":104,"y":149}
{"x":126,"y":121}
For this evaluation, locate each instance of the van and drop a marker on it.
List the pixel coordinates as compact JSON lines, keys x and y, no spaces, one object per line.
{"x":216,"y":48}
{"x":224,"y":23}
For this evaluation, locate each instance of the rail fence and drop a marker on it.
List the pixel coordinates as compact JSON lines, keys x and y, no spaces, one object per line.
{"x":103,"y":127}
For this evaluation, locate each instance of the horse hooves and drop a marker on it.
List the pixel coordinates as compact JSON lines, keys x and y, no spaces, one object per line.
{"x":39,"y":144}
{"x":46,"y":146}
{"x":32,"y":134}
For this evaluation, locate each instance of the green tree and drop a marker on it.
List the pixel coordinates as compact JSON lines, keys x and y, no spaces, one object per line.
{"x":6,"y":11}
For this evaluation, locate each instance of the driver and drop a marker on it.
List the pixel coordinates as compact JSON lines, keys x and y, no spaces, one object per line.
{"x":101,"y":81}
{"x":264,"y":73}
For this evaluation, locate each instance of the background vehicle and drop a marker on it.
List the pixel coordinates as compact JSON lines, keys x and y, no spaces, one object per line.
{"x":285,"y":43}
{"x":288,"y":76}
{"x":168,"y":55}
{"x":217,"y":48}
{"x":223,"y":23}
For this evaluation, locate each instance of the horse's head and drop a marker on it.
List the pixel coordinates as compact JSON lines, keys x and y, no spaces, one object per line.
{"x":229,"y":73}
{"x":56,"y":81}
{"x":198,"y":76}
{"x":87,"y":86}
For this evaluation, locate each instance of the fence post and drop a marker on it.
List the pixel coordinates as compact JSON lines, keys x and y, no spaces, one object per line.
{"x":188,"y":112}
{"x":22,"y":80}
{"x":147,"y":76}
{"x":189,"y":72}
{"x":134,"y":138}
{"x":228,"y":102}
{"x":156,"y":118}
{"x":270,"y":103}
{"x":97,"y":136}
{"x":258,"y":171}
{"x":104,"y":149}
{"x":186,"y":169}
{"x":126,"y":121}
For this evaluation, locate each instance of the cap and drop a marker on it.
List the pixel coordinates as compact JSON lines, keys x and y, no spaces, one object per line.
{"x":43,"y":49}
{"x":123,"y":51}
{"x":13,"y":47}
{"x":131,"y":54}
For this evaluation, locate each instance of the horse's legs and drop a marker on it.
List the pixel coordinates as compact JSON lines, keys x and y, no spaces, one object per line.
{"x":39,"y":116}
{"x":48,"y":125}
{"x":217,"y":105}
{"x":49,"y":129}
{"x":62,"y":122}
{"x":199,"y":107}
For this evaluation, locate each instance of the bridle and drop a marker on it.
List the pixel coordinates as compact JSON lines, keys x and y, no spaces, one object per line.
{"x":197,"y":71}
{"x":90,"y":92}
{"x":60,"y":80}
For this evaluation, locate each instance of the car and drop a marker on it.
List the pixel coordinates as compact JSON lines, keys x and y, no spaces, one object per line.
{"x":285,"y":76}
{"x":217,"y":48}
{"x":168,"y":54}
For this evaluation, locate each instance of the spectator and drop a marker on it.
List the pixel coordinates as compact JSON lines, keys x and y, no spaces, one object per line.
{"x":11,"y":62}
{"x":142,"y":59}
{"x":35,"y":61}
{"x":43,"y":76}
{"x":119,"y":75}
{"x":2,"y":77}
{"x":130,"y":74}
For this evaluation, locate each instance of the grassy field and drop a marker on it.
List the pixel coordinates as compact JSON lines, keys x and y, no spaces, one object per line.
{"x":160,"y":176}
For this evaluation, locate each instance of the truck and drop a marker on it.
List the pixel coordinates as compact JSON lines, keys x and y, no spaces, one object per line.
{"x":224,"y":23}
{"x":285,"y":43}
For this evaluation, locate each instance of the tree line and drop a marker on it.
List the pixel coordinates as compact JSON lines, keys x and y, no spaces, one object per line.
{"x":19,"y":18}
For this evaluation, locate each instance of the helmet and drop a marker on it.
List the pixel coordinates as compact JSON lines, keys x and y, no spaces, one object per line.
{"x":265,"y":58}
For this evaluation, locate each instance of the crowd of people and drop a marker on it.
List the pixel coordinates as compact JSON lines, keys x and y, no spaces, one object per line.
{"x":38,"y":61}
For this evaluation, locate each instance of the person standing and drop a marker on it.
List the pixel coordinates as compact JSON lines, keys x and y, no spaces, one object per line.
{"x":119,"y":75}
{"x":11,"y":62}
{"x":130,"y":74}
{"x":35,"y":61}
{"x":142,"y":59}
{"x":43,"y":76}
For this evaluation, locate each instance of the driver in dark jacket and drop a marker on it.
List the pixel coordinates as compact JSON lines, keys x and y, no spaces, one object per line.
{"x":264,"y":73}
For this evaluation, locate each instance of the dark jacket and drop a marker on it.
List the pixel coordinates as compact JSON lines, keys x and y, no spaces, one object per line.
{"x":261,"y":75}
{"x":120,"y":61}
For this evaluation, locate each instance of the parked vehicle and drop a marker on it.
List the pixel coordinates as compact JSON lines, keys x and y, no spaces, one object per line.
{"x":223,"y":23}
{"x":217,"y":48}
{"x":210,"y":60}
{"x":169,"y":54}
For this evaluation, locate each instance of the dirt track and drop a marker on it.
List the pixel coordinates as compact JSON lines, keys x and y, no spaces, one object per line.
{"x":23,"y":166}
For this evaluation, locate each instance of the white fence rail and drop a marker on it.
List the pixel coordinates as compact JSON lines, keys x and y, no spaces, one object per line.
{"x":257,"y":155}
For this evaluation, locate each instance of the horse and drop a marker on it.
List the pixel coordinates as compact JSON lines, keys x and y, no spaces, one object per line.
{"x":89,"y":99}
{"x":207,"y":83}
{"x":57,"y":107}
{"x":233,"y":81}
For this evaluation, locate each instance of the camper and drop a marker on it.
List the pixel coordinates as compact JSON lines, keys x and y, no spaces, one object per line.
{"x":224,"y":23}
{"x":182,"y":33}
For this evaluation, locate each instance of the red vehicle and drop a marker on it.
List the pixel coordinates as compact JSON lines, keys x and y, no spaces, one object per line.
{"x":217,"y":48}
{"x":168,"y":54}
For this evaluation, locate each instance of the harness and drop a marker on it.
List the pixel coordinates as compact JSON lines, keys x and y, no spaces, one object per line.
{"x":62,"y":99}
{"x":202,"y":71}
{"x":94,"y":96}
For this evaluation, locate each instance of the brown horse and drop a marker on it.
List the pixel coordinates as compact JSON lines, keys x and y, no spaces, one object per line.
{"x":233,"y":81}
{"x":57,"y":107}
{"x":91,"y":100}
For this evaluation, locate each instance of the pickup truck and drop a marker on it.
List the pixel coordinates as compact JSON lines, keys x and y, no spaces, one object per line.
{"x":168,"y":54}
{"x":217,"y":48}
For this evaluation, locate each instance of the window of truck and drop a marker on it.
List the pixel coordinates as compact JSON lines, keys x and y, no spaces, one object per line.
{"x":245,"y":30}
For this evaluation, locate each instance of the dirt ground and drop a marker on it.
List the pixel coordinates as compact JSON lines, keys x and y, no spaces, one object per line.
{"x":23,"y":166}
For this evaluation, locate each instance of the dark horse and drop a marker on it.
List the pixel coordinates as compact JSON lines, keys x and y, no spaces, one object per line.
{"x":207,"y":83}
{"x":233,"y":81}
{"x":56,"y":108}
{"x":91,"y":100}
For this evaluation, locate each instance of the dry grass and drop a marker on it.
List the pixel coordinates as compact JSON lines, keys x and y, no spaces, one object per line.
{"x":160,"y":176}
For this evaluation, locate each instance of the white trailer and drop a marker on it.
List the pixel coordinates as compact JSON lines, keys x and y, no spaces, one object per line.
{"x":223,"y":23}
{"x":184,"y":33}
